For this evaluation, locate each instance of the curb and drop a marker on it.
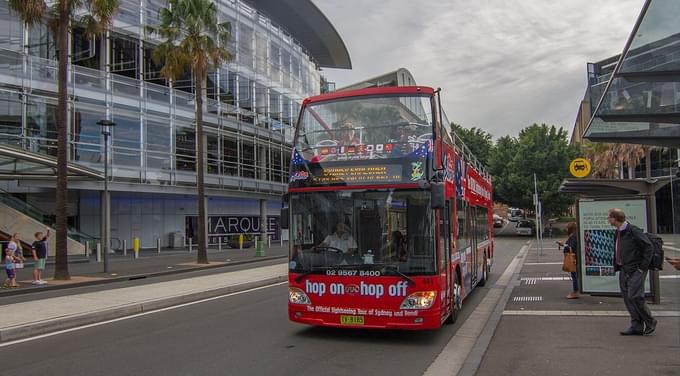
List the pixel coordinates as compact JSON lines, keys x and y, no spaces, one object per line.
{"x":134,"y":276}
{"x":68,"y":322}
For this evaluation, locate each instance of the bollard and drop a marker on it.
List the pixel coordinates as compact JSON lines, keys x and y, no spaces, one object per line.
{"x":281,"y":239}
{"x":256,"y":242}
{"x":259,"y":248}
{"x":124,"y":247}
{"x":269,"y":241}
{"x":158,"y":245}
{"x":219,"y":244}
{"x":87,"y":249}
{"x":99,"y":252}
{"x":240,"y":242}
{"x":135,"y":247}
{"x":184,"y":240}
{"x":190,"y":240}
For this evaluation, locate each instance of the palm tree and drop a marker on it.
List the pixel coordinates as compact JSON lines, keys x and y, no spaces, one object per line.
{"x":193,"y":40}
{"x":59,"y":17}
{"x":608,"y":159}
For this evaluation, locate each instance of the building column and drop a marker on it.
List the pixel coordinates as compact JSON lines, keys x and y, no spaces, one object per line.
{"x":263,"y":221}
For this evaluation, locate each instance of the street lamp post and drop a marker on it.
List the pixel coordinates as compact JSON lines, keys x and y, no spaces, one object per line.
{"x":106,"y":215}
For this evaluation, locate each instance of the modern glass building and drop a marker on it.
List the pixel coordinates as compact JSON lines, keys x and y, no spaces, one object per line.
{"x":253,"y":102}
{"x":634,"y":98}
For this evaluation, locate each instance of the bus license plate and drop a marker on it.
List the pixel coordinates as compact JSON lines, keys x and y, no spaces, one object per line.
{"x":352,"y":320}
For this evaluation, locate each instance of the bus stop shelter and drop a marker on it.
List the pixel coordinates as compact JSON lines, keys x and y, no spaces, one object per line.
{"x":636,"y":197}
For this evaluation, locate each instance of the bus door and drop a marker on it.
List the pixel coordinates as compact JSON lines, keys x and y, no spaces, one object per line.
{"x":472,"y":215}
{"x":444,"y":253}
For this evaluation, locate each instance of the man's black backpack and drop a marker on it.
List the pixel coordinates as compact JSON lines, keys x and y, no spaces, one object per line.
{"x":657,"y":251}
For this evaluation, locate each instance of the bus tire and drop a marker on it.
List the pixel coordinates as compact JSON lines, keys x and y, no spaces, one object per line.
{"x":456,"y":301}
{"x":485,"y":273}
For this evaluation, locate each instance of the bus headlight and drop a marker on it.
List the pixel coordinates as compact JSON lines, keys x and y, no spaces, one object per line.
{"x":419,"y":300}
{"x":297,"y":296}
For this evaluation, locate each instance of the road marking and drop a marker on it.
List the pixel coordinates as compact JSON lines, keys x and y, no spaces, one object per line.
{"x":5,"y":344}
{"x":534,"y":279}
{"x":584,"y":313}
{"x":527,"y":299}
{"x":672,"y":276}
{"x":543,"y":263}
{"x":453,"y":356}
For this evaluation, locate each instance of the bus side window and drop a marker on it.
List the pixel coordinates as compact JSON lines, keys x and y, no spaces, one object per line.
{"x":461,"y":225}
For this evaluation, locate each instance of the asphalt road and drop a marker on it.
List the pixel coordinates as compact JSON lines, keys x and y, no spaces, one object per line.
{"x":244,"y":334}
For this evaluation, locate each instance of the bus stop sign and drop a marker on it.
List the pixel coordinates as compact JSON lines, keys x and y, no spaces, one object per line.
{"x":579,"y":167}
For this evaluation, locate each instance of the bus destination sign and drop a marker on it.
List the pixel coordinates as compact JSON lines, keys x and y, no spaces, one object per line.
{"x":359,"y":174}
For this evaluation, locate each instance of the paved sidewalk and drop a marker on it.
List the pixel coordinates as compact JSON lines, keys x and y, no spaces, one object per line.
{"x":88,"y":271}
{"x":21,"y":320}
{"x":542,"y":333}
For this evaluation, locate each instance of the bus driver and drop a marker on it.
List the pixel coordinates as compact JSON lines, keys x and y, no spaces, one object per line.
{"x":341,"y":239}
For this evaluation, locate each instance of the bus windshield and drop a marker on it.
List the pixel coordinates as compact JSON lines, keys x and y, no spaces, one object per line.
{"x":360,"y":230}
{"x":366,"y":127}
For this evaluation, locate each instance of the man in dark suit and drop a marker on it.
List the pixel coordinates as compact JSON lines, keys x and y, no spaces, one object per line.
{"x":632,"y":256}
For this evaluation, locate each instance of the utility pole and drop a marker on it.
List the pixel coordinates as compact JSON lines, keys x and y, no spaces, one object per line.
{"x":537,"y":209}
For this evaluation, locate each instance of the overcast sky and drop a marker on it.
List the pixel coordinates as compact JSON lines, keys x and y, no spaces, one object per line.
{"x":502,"y":64}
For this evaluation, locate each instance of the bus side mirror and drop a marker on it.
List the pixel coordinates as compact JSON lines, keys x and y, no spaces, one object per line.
{"x":437,"y":195}
{"x":285,"y":212}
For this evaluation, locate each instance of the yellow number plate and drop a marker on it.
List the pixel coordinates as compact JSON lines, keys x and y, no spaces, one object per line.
{"x":352,"y":320}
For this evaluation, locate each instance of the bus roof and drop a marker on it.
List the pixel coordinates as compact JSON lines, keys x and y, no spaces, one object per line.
{"x":369,"y":91}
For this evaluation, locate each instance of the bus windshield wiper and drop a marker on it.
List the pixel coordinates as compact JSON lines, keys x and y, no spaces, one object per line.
{"x":395,"y":269}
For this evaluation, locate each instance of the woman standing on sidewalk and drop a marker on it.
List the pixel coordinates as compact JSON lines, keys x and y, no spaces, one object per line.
{"x":19,"y":254}
{"x":570,"y":246}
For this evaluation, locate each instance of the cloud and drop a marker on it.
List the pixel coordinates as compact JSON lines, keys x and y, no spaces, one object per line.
{"x":502,"y":65}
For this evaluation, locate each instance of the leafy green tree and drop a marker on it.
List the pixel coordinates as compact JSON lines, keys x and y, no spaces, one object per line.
{"x":60,"y":16}
{"x":477,"y":140}
{"x":540,"y":149}
{"x":502,"y":152}
{"x":193,"y":40}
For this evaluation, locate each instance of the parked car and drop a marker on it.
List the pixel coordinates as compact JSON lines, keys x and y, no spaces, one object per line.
{"x":497,"y":221}
{"x":515,"y":214}
{"x":525,"y":227}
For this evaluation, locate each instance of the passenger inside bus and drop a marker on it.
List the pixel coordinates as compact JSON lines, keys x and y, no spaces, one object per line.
{"x":347,"y":134}
{"x":341,"y":240}
{"x":395,"y":249}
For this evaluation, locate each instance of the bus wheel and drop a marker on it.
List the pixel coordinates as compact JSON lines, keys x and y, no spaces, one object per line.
{"x":457,"y":301}
{"x":485,"y":274}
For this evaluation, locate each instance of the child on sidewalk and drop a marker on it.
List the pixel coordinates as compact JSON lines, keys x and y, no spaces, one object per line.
{"x":39,"y":255}
{"x":9,"y":267}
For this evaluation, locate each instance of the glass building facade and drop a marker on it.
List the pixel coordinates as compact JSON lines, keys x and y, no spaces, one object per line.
{"x":249,"y":116}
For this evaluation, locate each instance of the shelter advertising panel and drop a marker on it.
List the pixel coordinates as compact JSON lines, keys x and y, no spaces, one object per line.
{"x":596,"y":237}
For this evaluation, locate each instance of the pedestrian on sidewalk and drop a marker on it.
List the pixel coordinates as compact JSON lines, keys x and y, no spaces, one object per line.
{"x":40,"y":256}
{"x":19,"y":253}
{"x":570,"y":246}
{"x":632,"y":256}
{"x":11,"y":281}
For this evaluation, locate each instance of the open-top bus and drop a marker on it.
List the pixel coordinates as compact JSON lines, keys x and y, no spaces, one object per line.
{"x":390,"y":216}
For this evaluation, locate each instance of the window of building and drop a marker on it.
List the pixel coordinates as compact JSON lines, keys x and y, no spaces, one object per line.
{"x":185,"y":149}
{"x":126,"y":136}
{"x":213,"y":149}
{"x":87,"y":134}
{"x":124,"y":58}
{"x":157,"y":142}
{"x":230,"y":155}
{"x":247,"y":159}
{"x":41,"y":124}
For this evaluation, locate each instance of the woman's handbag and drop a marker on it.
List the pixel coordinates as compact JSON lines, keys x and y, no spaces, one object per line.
{"x":569,"y":264}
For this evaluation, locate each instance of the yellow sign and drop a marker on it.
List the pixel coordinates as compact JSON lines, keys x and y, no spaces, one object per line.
{"x":580,"y":167}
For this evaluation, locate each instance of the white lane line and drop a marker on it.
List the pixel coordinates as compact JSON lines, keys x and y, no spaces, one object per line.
{"x":5,"y":344}
{"x":534,"y":279}
{"x":672,"y":276}
{"x":525,"y":312}
{"x":543,"y":263}
{"x":452,"y":358}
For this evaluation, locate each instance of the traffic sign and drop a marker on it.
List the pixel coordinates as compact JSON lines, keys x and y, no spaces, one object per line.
{"x":580,"y":167}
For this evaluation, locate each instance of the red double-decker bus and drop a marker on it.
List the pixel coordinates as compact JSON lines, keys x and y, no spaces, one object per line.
{"x":390,"y":216}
